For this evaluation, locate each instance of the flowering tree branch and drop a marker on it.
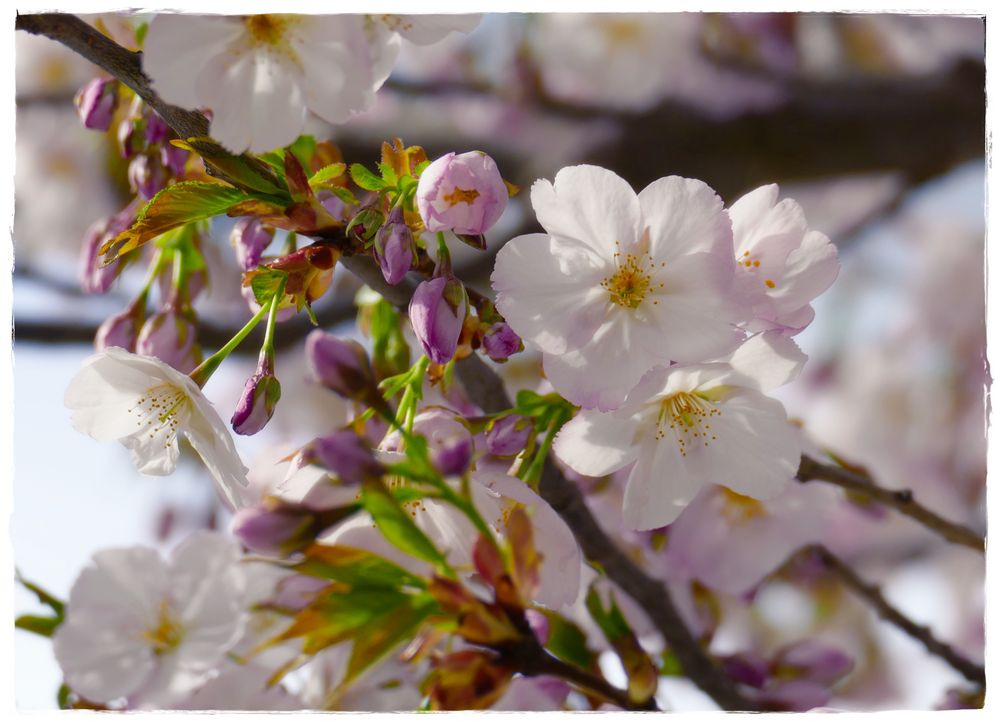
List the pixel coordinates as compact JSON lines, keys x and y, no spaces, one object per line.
{"x":871,"y":594}
{"x":899,"y":499}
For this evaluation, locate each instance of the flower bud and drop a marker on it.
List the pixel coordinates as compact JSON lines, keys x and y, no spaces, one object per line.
{"x":539,"y":624}
{"x":461,"y":193}
{"x":249,"y":238}
{"x":508,"y":435}
{"x":96,"y":103}
{"x":156,"y":129}
{"x":260,"y":396}
{"x":171,"y":336}
{"x":280,"y":528}
{"x":500,"y":342}
{"x":174,"y":159}
{"x":346,"y":455}
{"x":146,"y":175}
{"x":120,"y":330}
{"x":746,"y":668}
{"x":812,"y":659}
{"x":449,"y":442}
{"x":95,"y":276}
{"x":437,"y":314}
{"x":343,"y":367}
{"x":394,"y":248}
{"x":797,"y":695}
{"x":129,"y":140}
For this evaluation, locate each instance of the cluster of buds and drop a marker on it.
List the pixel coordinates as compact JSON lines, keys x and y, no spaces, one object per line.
{"x":144,"y":141}
{"x":797,"y":678}
{"x":95,"y":276}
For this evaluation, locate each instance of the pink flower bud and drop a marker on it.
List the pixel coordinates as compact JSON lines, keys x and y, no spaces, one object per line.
{"x":171,"y":336}
{"x":500,"y":342}
{"x":394,"y":248}
{"x":260,"y":396}
{"x":812,"y":659}
{"x":746,"y":668}
{"x":249,"y":238}
{"x":96,"y":103}
{"x":95,"y":277}
{"x":174,"y":159}
{"x":437,"y":313}
{"x":448,"y":440}
{"x":156,"y":129}
{"x":279,"y":528}
{"x":539,"y":624}
{"x":342,"y":366}
{"x":508,"y":435}
{"x":120,"y":330}
{"x":146,"y":175}
{"x":346,"y":455}
{"x":797,"y":695}
{"x":129,"y":141}
{"x":461,"y":193}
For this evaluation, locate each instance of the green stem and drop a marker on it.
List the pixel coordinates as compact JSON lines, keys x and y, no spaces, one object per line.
{"x":204,"y":372}
{"x":443,"y":255}
{"x":272,"y":319}
{"x":533,"y":473}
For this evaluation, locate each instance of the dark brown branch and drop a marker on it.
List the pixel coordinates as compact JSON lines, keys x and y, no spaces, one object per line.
{"x":899,"y":499}
{"x":532,"y":660}
{"x":871,"y":594}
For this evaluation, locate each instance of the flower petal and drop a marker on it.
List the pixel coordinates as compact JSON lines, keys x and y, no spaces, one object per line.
{"x":596,"y":444}
{"x":659,"y":486}
{"x":685,"y":216}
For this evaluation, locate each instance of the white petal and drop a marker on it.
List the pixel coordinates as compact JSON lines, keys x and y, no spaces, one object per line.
{"x":99,"y":663}
{"x":589,"y":204}
{"x":154,"y":450}
{"x":659,"y":486}
{"x":207,"y":588}
{"x":756,"y":451}
{"x":684,"y":216}
{"x":810,"y":270}
{"x":548,"y":289}
{"x":177,"y":49}
{"x":602,"y":373}
{"x":770,"y":359}
{"x":242,"y":688}
{"x":429,"y":29}
{"x":747,"y":212}
{"x":210,"y":437}
{"x":597,"y":444}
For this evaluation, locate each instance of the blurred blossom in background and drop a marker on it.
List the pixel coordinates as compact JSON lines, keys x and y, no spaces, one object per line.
{"x":874,"y":123}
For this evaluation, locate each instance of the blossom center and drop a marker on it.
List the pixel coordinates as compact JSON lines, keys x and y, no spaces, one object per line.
{"x":461,"y":195}
{"x":749,"y":263}
{"x":686,"y":416}
{"x":622,"y":33}
{"x":739,"y":508}
{"x":629,"y":285}
{"x":160,"y":411}
{"x":266,"y":29}
{"x":167,"y":634}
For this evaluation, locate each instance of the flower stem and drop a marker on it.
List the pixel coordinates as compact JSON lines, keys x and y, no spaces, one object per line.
{"x":204,"y":372}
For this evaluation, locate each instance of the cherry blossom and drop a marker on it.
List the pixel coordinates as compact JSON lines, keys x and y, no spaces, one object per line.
{"x":781,"y":264}
{"x":688,"y":426}
{"x":149,"y":630}
{"x":145,"y":404}
{"x":260,"y":74}
{"x":620,"y":282}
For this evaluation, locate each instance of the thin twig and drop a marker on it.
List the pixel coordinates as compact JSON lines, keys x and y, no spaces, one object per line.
{"x":873,"y":596}
{"x":899,"y":499}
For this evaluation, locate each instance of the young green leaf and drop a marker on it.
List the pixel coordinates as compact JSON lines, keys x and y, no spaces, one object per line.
{"x":396,"y":524}
{"x":364,"y":178}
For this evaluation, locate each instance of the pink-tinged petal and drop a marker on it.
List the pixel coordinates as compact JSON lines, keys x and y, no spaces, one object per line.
{"x":589,"y":204}
{"x":746,"y":213}
{"x":762,"y":225}
{"x":768,"y":360}
{"x":659,"y":486}
{"x":560,"y":578}
{"x":755,"y":451}
{"x":684,"y":216}
{"x":429,"y":29}
{"x":696,"y":312}
{"x":596,"y":444}
{"x":99,"y":663}
{"x":242,"y":688}
{"x":549,"y":292}
{"x":601,"y":373}
{"x":178,"y":47}
{"x":171,"y":681}
{"x":810,"y":270}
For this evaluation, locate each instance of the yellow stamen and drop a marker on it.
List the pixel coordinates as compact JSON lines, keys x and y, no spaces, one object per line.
{"x":461,"y":195}
{"x":167,"y":635}
{"x":267,"y":29}
{"x":686,"y":415}
{"x":738,"y":508}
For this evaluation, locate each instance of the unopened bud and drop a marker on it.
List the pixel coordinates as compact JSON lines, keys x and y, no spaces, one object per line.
{"x":260,"y":397}
{"x":96,"y":103}
{"x":812,"y":659}
{"x":509,"y":435}
{"x":346,"y":455}
{"x":343,"y":367}
{"x":437,"y":314}
{"x":461,"y":193}
{"x":249,"y":238}
{"x":171,"y":336}
{"x":394,"y":248}
{"x":500,"y":342}
{"x":146,"y":175}
{"x":120,"y":330}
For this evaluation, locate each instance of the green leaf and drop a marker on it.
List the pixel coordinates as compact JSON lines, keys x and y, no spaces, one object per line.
{"x":388,"y":174}
{"x":43,"y":626}
{"x":396,"y":524}
{"x":140,"y":34}
{"x":244,"y":171}
{"x":326,"y":174}
{"x":364,"y":178}
{"x":568,"y":642}
{"x":384,"y":634}
{"x":46,"y":598}
{"x":390,"y":351}
{"x":266,"y":283}
{"x":345,"y":195}
{"x":171,"y":208}
{"x":356,"y":567}
{"x":304,"y":149}
{"x":527,"y":398}
{"x":339,"y":615}
{"x":62,"y":696}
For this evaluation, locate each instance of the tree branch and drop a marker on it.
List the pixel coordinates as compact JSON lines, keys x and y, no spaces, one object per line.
{"x":899,"y":499}
{"x":871,"y":594}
